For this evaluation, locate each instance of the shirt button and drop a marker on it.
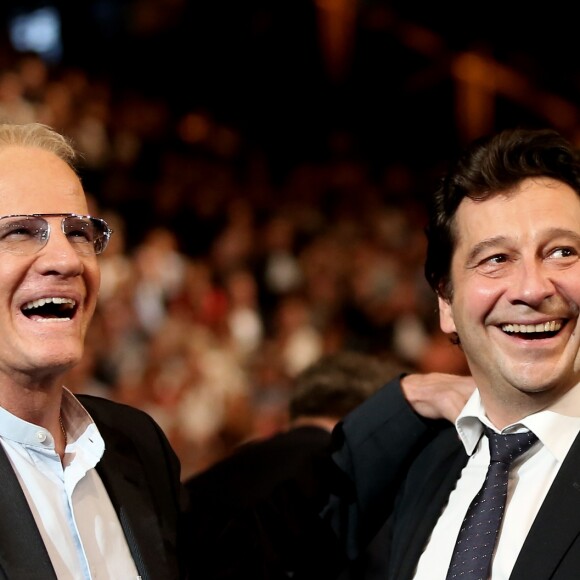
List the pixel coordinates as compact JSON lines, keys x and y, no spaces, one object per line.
{"x":41,"y":436}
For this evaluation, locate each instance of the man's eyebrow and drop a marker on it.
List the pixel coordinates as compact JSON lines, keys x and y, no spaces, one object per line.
{"x":484,"y":245}
{"x":564,"y":232}
{"x":489,"y":243}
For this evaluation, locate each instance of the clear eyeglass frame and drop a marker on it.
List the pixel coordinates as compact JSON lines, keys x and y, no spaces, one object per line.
{"x":27,"y":234}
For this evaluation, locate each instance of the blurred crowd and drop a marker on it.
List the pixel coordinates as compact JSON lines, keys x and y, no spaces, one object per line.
{"x":224,"y":277}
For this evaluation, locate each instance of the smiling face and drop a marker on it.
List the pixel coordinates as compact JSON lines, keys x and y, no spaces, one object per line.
{"x":515,"y":305}
{"x":37,"y":340}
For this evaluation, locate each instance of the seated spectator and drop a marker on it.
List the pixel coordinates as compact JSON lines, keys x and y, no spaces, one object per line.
{"x":230,"y":536}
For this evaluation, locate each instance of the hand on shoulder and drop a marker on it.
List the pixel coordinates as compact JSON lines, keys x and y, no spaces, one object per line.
{"x":437,"y":395}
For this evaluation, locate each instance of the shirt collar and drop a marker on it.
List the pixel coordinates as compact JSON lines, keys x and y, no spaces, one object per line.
{"x":75,"y":416}
{"x":556,"y":426}
{"x":16,"y":429}
{"x":79,"y":424}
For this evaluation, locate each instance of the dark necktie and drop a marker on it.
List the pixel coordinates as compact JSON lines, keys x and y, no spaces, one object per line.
{"x":476,"y":540}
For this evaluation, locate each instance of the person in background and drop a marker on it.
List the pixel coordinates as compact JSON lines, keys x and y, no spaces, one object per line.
{"x":504,"y":260}
{"x":90,"y":488}
{"x":234,"y":502}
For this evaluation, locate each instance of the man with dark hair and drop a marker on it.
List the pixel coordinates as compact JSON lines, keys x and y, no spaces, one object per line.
{"x":334,"y":385}
{"x":504,"y":259}
{"x":223,"y":496}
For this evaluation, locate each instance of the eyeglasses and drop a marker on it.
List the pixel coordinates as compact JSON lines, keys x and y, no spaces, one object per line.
{"x":28,"y":234}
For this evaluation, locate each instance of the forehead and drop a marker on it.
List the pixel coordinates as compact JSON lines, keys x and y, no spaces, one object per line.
{"x":33,"y":180}
{"x":536,"y":205}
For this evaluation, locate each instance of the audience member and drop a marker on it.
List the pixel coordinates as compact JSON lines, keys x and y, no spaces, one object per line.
{"x":230,"y":498}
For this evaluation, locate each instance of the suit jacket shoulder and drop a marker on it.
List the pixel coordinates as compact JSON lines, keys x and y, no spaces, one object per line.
{"x":373,"y":447}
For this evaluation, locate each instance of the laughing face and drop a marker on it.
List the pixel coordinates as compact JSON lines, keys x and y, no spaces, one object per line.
{"x":47,"y":298}
{"x":516,"y":296}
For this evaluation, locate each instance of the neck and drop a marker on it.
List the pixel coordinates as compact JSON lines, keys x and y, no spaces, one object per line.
{"x":38,"y":406}
{"x":327,"y":423}
{"x":509,"y":410}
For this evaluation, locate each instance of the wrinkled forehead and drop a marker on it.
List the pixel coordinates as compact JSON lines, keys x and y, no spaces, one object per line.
{"x":525,"y":212}
{"x":34,"y":180}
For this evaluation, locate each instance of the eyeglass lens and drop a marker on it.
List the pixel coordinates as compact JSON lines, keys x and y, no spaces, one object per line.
{"x":27,"y":234}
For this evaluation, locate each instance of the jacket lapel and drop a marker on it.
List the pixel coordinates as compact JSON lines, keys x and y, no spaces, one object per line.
{"x":22,"y":551}
{"x":557,"y":524}
{"x":555,"y":529}
{"x":126,"y":484}
{"x":427,"y":489}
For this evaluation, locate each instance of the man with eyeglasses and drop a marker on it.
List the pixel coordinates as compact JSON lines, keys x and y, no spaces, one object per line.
{"x":90,"y":488}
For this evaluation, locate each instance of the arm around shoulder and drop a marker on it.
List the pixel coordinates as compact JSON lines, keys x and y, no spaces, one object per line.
{"x":374,"y":444}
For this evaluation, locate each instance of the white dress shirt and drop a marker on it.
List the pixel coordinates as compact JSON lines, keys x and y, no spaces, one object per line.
{"x":72,"y":509}
{"x":530,"y":479}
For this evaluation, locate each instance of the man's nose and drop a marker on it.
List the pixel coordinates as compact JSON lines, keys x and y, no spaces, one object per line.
{"x":59,"y":254}
{"x":532,"y":283}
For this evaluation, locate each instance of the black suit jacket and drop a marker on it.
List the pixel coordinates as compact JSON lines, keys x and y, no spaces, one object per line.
{"x":254,"y":514}
{"x":398,"y":466}
{"x":142,"y":476}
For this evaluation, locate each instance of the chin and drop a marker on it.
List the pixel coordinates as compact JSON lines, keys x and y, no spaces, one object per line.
{"x":59,"y":362}
{"x":536,"y":386}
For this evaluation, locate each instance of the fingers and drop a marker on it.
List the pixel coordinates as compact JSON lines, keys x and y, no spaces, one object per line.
{"x":437,"y":395}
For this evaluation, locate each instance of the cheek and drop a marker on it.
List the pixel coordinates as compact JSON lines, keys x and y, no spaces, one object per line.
{"x":472,"y":302}
{"x":569,"y":288}
{"x":92,"y":275}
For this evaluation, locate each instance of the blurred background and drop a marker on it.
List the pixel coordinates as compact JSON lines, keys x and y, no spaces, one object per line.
{"x":264,"y":165}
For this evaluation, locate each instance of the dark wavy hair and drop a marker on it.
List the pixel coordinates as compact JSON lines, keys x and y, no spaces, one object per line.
{"x":491,"y":165}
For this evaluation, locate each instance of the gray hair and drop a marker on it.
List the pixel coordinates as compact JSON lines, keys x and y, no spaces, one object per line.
{"x":40,"y":136}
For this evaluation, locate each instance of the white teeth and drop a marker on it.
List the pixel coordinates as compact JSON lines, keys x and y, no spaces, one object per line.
{"x":551,"y":326}
{"x":68,"y":302}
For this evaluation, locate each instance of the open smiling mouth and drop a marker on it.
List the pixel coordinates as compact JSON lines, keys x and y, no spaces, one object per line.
{"x":50,"y":308}
{"x":534,"y":331}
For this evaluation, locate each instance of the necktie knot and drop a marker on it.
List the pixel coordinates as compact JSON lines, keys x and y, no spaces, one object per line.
{"x":504,"y":448}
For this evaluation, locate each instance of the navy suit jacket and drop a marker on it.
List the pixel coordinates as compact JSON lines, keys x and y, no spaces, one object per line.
{"x":395,"y":465}
{"x":142,"y":476}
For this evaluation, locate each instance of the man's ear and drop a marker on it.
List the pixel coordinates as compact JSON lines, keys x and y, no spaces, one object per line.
{"x":446,"y":321}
